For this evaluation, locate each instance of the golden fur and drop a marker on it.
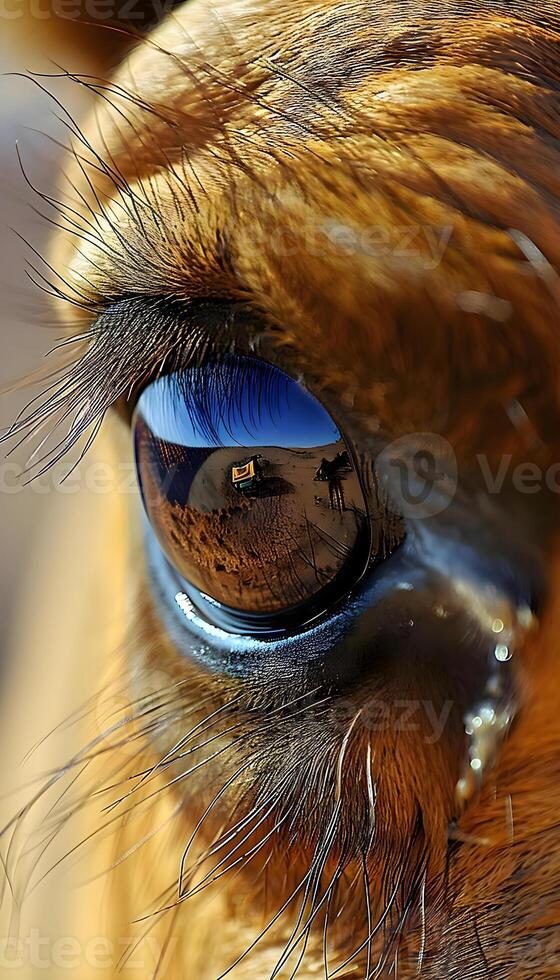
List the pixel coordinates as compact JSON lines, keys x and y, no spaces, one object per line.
{"x":256,"y":152}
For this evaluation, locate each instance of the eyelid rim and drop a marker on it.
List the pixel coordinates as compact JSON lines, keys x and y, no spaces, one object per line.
{"x":287,"y":657}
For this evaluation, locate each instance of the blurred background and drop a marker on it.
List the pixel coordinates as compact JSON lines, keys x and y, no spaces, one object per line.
{"x":39,"y":36}
{"x":25,"y":45}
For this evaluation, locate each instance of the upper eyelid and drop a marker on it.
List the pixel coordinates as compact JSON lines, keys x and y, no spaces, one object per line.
{"x":127,"y":344}
{"x":132,"y":341}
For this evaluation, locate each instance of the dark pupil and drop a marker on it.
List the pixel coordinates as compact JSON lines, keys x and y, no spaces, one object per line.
{"x":248,"y":484}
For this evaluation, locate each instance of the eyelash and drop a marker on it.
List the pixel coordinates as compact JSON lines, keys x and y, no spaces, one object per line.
{"x":112,"y":365}
{"x":212,"y":400}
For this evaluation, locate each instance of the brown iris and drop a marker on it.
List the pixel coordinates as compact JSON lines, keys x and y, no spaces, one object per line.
{"x":249,"y":486}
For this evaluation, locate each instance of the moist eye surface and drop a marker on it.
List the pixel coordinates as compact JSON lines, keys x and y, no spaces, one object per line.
{"x":250,"y":487}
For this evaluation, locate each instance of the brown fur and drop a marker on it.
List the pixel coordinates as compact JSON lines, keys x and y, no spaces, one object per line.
{"x":248,"y":126}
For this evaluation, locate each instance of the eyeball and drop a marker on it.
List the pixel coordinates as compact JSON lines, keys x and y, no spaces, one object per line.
{"x":251,"y":490}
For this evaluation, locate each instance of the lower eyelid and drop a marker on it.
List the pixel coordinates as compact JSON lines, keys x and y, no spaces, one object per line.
{"x":235,"y":653}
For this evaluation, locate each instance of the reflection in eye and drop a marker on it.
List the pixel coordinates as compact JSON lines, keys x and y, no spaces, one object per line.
{"x":249,"y":486}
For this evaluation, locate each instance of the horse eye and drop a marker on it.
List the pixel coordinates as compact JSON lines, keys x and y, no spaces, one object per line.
{"x":251,"y":491}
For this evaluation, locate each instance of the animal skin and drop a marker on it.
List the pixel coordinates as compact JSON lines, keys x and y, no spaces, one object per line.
{"x":374,"y":189}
